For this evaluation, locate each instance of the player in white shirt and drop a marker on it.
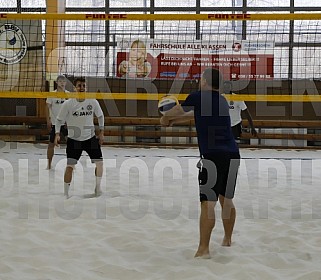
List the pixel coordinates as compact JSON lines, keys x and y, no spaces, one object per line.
{"x":237,"y":109}
{"x":79,"y":116}
{"x":53,"y":108}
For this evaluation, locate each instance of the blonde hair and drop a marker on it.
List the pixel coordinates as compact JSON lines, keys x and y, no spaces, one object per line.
{"x":140,"y":45}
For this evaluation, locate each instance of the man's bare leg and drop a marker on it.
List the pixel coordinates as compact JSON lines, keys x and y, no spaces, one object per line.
{"x":228,"y":218}
{"x":98,"y":174}
{"x":50,"y":154}
{"x":207,"y":223}
{"x":67,"y":179}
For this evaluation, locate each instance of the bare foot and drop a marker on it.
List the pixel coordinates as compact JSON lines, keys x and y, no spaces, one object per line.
{"x":202,"y":254}
{"x":205,"y":256}
{"x":98,"y":191}
{"x":227,"y":242}
{"x":66,"y":191}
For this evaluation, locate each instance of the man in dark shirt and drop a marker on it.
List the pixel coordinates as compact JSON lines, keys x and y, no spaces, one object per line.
{"x":220,"y":158}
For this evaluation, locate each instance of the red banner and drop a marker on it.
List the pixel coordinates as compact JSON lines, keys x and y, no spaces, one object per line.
{"x":236,"y":60}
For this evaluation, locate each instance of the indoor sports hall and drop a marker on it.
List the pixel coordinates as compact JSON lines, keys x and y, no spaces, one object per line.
{"x":142,"y":219}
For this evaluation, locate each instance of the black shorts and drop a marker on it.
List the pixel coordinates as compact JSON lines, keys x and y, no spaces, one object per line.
{"x":237,"y":130}
{"x":217,"y":176}
{"x":63,"y":132}
{"x":91,"y":147}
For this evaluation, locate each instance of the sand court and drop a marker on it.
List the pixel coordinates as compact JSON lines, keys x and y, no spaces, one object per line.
{"x":145,"y":225}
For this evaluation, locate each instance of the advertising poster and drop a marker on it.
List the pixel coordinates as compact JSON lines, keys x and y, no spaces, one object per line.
{"x":167,"y":59}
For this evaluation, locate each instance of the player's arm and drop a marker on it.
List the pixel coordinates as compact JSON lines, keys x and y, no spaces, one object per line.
{"x":101,"y":122}
{"x":61,"y":120}
{"x":247,"y":114}
{"x":176,"y":115}
{"x":59,"y":123}
{"x":48,"y":114}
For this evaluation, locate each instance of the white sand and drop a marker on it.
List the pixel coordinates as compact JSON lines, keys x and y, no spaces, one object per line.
{"x":145,"y":226}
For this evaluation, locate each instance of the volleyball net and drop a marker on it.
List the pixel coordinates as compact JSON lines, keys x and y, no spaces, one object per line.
{"x":263,"y":57}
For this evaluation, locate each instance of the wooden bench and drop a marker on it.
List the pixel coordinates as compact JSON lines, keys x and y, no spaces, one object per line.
{"x":126,"y":131}
{"x":295,"y":133}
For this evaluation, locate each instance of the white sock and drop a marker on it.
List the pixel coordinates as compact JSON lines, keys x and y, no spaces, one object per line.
{"x":98,"y":183}
{"x":66,"y":189}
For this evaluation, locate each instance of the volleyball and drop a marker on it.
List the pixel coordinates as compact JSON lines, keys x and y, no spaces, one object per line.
{"x":166,"y":103}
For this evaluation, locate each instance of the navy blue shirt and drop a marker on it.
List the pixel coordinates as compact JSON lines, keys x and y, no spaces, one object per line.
{"x":212,"y":121}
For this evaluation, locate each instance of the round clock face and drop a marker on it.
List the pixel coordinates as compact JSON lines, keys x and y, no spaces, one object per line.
{"x":13,"y":44}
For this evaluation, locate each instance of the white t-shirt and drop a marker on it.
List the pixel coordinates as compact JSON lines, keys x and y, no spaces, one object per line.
{"x":56,"y":104}
{"x":79,"y":117}
{"x":235,"y":110}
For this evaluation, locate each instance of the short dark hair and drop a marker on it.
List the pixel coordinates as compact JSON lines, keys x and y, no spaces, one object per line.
{"x":79,"y":79}
{"x":213,"y":77}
